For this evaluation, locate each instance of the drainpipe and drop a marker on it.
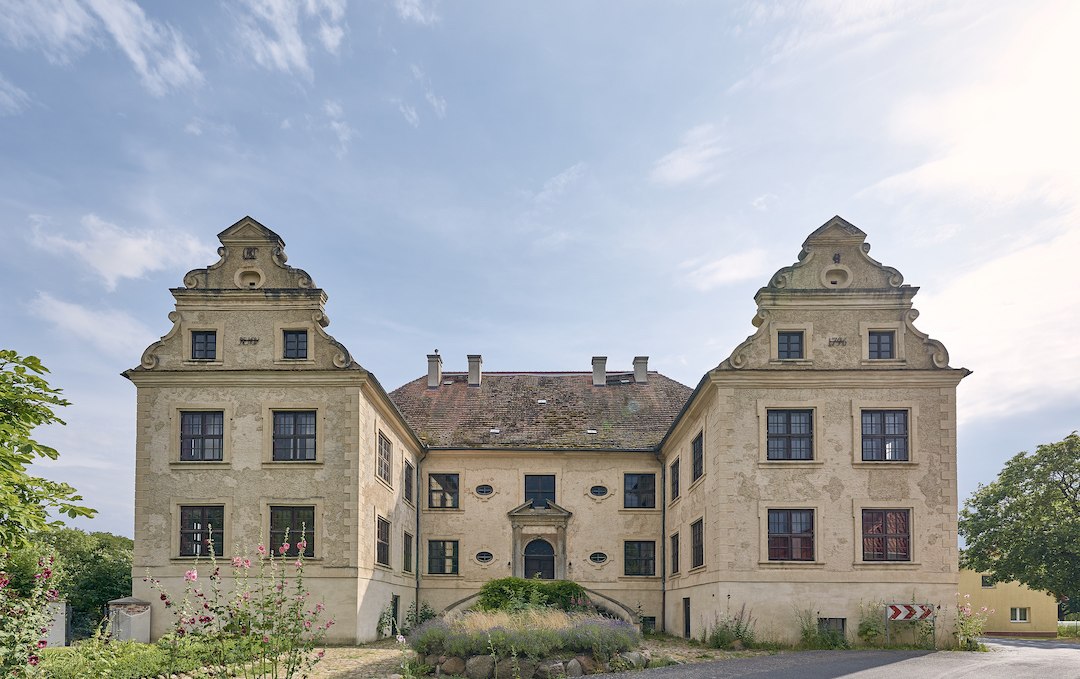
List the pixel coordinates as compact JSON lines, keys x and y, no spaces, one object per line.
{"x":416,"y":546}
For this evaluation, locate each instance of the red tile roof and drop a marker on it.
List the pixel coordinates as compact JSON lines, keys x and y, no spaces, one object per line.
{"x":625,"y":415}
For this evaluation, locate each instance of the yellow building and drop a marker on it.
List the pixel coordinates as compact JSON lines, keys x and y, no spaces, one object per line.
{"x":814,"y":467}
{"x":1017,"y":610}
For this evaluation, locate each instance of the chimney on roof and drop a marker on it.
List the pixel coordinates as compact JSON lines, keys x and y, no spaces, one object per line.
{"x":599,"y":371}
{"x":641,"y":369}
{"x":434,"y":369}
{"x":474,"y":369}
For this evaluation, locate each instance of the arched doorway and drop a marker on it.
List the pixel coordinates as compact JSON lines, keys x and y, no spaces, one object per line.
{"x":540,"y":560}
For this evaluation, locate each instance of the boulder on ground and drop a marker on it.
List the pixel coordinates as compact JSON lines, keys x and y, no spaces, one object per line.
{"x":550,"y":669}
{"x":453,"y":665}
{"x":480,"y":667}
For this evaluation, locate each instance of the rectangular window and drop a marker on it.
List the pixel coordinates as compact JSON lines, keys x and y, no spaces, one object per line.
{"x":697,"y":543}
{"x":789,"y":345}
{"x":201,"y":529}
{"x":639,"y":491}
{"x":882,"y":344}
{"x":791,"y":535}
{"x":886,"y":534}
{"x":407,"y":482}
{"x":698,"y":449}
{"x":295,"y":344}
{"x":292,"y":525}
{"x":539,"y":489}
{"x":790,"y":434}
{"x":639,"y":557}
{"x":385,"y":462}
{"x":885,"y":435}
{"x":382,"y":541}
{"x":832,"y":626}
{"x":988,"y":581}
{"x":294,"y":436}
{"x":443,"y":557}
{"x":203,"y":345}
{"x":674,"y":474}
{"x":1018,"y":614}
{"x":407,"y":553}
{"x":201,"y":436}
{"x":442,"y":491}
{"x":675,"y":553}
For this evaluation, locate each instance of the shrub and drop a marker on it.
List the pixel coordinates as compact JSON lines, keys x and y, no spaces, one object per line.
{"x":872,"y":623}
{"x":813,"y":636}
{"x":518,"y":594}
{"x":532,"y":633}
{"x":1069,"y":631}
{"x":24,"y":620}
{"x":728,"y":628}
{"x":969,"y":623}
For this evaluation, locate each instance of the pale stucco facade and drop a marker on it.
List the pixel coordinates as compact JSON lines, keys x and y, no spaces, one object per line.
{"x":877,"y":529}
{"x":1012,"y":609}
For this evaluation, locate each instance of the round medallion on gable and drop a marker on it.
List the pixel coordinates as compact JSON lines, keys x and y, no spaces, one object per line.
{"x":836,"y":276}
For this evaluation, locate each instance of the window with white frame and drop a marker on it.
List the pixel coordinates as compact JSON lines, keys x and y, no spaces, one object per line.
{"x":385,"y":462}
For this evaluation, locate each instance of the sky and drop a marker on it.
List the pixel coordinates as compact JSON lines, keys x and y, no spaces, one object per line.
{"x":539,"y":183}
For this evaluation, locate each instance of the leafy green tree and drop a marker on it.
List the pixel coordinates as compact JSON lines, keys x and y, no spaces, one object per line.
{"x":26,"y":502}
{"x":1025,"y":525}
{"x":90,"y":570}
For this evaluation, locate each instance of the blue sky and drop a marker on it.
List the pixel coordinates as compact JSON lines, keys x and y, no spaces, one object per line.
{"x":539,"y":183}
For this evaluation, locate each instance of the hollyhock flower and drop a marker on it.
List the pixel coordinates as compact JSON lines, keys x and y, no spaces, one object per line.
{"x":299,"y":564}
{"x":236,"y":562}
{"x":266,"y":639}
{"x":261,"y":549}
{"x":42,"y":643}
{"x":191,"y":575}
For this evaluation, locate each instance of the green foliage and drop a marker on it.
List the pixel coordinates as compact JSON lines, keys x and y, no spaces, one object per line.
{"x":414,"y":617}
{"x":727,"y":628}
{"x":813,"y":635}
{"x":1069,"y":631}
{"x":24,"y":621}
{"x":872,"y":623}
{"x":969,"y":623}
{"x":91,"y":569}
{"x":518,"y":594}
{"x":26,"y":402}
{"x":1018,"y":526}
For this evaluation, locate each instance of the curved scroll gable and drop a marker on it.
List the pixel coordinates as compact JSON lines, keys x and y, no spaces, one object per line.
{"x":782,"y":279}
{"x":939,"y":355}
{"x":303,"y":278}
{"x":893,"y":277}
{"x":342,"y":359}
{"x":738,"y":358}
{"x":197,"y":278}
{"x":149,"y":358}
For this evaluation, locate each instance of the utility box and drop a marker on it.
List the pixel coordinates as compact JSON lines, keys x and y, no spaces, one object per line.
{"x":129,"y":619}
{"x":60,"y":631}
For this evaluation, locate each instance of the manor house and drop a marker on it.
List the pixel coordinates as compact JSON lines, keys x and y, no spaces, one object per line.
{"x":813,"y":467}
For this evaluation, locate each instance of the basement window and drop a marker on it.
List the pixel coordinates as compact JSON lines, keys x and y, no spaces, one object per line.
{"x":590,"y":431}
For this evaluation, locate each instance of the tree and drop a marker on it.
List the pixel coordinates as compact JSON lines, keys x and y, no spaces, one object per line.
{"x":1025,"y":525}
{"x":26,"y":502}
{"x":90,"y":570}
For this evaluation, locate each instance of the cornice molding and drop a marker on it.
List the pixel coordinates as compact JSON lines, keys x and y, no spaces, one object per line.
{"x":246,"y":378}
{"x":838,"y":379}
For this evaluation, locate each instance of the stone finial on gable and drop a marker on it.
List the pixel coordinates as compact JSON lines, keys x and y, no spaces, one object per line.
{"x":834,"y":257}
{"x":252,"y":257}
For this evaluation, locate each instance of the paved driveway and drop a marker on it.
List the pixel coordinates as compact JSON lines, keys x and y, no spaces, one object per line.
{"x":1007,"y":659}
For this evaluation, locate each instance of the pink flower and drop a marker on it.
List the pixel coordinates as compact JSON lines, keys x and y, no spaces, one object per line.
{"x":247,"y":563}
{"x":307,"y":624}
{"x":320,"y":654}
{"x":266,"y":639}
{"x":191,"y":575}
{"x":42,"y":643}
{"x":32,"y":660}
{"x":299,"y":564}
{"x":237,"y":562}
{"x":319,"y":608}
{"x":283,"y":548}
{"x":261,"y":549}
{"x":302,"y":545}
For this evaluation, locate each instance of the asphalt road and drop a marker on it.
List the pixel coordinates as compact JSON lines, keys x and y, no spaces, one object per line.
{"x":1007,"y":659}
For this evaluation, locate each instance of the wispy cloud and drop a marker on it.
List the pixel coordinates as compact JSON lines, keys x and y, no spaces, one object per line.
{"x":111,"y":332}
{"x":438,"y":104}
{"x":115,"y":253}
{"x":557,"y":185}
{"x":159,"y":53}
{"x":12,"y":98}
{"x":63,"y":29}
{"x":739,"y":266}
{"x":273,"y":31}
{"x":696,"y":160}
{"x":197,"y":126}
{"x":1010,"y":138}
{"x":764,"y":201}
{"x":409,"y":113}
{"x":339,"y":126}
{"x":417,"y":11}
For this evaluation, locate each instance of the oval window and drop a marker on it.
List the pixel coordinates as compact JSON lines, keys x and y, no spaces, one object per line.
{"x":485,"y":557}
{"x":598,"y":491}
{"x":598,"y":557}
{"x":484,"y":489}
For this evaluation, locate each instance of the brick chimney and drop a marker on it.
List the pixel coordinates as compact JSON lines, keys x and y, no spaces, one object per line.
{"x":641,"y":369}
{"x":599,"y":371}
{"x":434,"y":370}
{"x":475,"y":361}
